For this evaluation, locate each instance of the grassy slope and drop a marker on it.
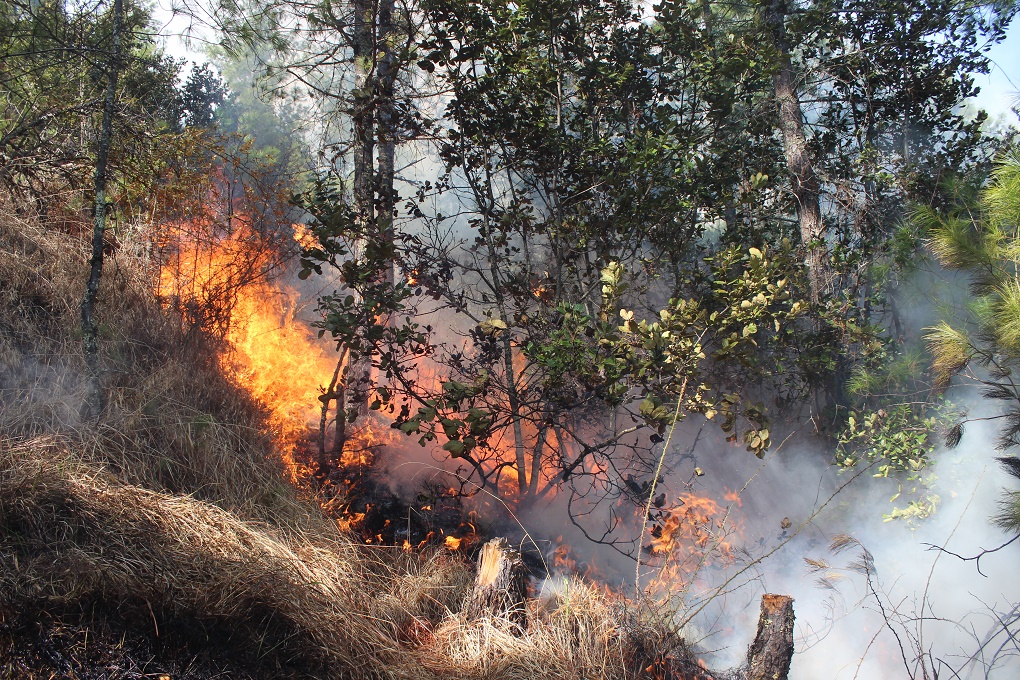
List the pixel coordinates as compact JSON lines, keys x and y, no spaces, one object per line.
{"x":168,"y":534}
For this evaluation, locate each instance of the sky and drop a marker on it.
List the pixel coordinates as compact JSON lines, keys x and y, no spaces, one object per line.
{"x":1001,"y":88}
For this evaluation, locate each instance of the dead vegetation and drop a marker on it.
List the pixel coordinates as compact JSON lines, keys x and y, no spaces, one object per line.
{"x":167,"y":532}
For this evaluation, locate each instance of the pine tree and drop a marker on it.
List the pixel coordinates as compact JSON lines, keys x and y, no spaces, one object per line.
{"x":984,"y":242}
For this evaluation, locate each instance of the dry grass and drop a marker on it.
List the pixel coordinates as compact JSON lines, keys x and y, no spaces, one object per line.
{"x":317,"y":604}
{"x":76,"y":533}
{"x":174,"y":510}
{"x":173,"y":422}
{"x":572,"y":636}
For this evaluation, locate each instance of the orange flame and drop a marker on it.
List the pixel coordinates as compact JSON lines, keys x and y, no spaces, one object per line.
{"x":219,"y":270}
{"x":694,"y":534}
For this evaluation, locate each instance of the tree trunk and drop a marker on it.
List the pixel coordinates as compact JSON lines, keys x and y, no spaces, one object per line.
{"x":386,"y":126}
{"x":806,"y":187}
{"x":93,"y":405}
{"x":501,"y":586}
{"x":386,"y":131}
{"x":363,"y":114}
{"x":363,"y":119}
{"x":770,"y":654}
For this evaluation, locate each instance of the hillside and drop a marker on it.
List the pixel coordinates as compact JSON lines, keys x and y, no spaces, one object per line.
{"x":167,"y":541}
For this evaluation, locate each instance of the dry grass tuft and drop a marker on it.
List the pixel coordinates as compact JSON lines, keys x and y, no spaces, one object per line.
{"x":576,"y":632}
{"x":73,"y":532}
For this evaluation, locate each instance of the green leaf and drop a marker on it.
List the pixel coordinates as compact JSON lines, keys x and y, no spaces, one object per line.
{"x":455,"y":447}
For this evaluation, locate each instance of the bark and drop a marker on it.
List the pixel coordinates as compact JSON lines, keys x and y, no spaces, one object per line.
{"x":770,"y":654}
{"x":501,"y":586}
{"x":376,"y":67}
{"x":93,"y":405}
{"x":363,"y":114}
{"x":387,"y":128}
{"x":806,"y":187}
{"x":363,"y":119}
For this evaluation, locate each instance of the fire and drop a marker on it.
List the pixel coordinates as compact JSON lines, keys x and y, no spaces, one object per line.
{"x":693,"y":534}
{"x":562,"y":557}
{"x":349,"y":521}
{"x":303,"y":236}
{"x":695,"y":521}
{"x":215,"y":272}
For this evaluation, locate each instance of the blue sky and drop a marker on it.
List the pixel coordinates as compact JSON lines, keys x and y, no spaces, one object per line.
{"x":1001,"y":87}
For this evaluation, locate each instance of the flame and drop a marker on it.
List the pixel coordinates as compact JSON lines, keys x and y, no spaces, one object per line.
{"x":563,"y":557}
{"x":304,"y":236}
{"x":696,"y":521}
{"x":349,"y":520}
{"x":694,"y":534}
{"x":453,"y":543}
{"x":215,"y":270}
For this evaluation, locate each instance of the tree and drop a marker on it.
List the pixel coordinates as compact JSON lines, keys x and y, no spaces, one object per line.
{"x":94,"y":400}
{"x":53,"y":61}
{"x":590,"y":149}
{"x":204,"y":92}
{"x":574,"y":204}
{"x":804,"y":179}
{"x":981,"y":240}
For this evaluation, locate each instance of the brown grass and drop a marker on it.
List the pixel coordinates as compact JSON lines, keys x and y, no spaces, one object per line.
{"x":73,"y":532}
{"x":173,"y":422}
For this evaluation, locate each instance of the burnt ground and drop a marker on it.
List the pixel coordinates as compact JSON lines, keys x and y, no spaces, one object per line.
{"x":422,"y":519}
{"x":91,"y":644}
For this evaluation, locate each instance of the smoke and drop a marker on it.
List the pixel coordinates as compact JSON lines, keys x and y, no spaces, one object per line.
{"x":932,"y":602}
{"x":910,"y":600}
{"x":911,"y":606}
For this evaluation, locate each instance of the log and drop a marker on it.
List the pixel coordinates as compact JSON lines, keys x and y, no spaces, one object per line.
{"x":501,"y":586}
{"x":769,"y":656}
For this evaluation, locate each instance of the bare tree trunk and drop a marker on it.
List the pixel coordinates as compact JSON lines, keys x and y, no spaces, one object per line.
{"x":513,"y":396}
{"x":806,"y":187}
{"x":334,"y":392}
{"x":363,"y":115}
{"x":386,"y":126}
{"x":484,"y":196}
{"x":770,"y":654}
{"x":501,"y":586}
{"x":386,"y":131}
{"x":363,"y":118}
{"x":93,"y":406}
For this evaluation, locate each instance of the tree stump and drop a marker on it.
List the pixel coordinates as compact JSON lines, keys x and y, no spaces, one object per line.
{"x":769,"y":656}
{"x":501,"y":586}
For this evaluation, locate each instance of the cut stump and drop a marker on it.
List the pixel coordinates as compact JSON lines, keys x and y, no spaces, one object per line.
{"x":769,"y":656}
{"x":501,"y":586}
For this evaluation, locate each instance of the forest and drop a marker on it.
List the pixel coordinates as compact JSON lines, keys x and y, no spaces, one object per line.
{"x":581,"y":339}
